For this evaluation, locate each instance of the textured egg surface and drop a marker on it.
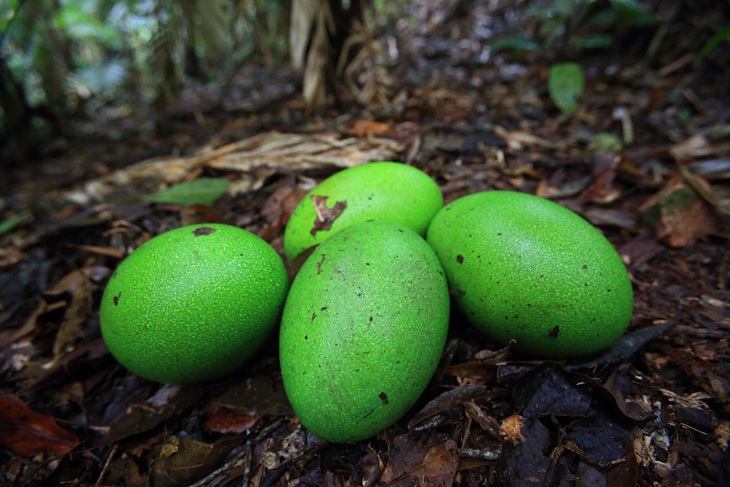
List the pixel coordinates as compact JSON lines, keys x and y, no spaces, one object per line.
{"x":362,"y":330}
{"x":375,"y":191}
{"x":525,"y":268}
{"x":194,"y":303}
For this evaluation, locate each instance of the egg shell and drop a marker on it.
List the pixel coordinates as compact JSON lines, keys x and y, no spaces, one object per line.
{"x":525,"y":268}
{"x":194,"y":303}
{"x":375,"y":191}
{"x":363,"y":330}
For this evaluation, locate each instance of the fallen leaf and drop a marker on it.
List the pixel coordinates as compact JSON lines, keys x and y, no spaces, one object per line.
{"x":624,"y":348}
{"x":325,"y":215}
{"x":445,"y":401}
{"x":712,"y":379}
{"x":413,"y":464}
{"x":183,"y":461}
{"x":565,"y":86}
{"x":678,"y":215}
{"x":527,"y":460}
{"x":593,"y":425}
{"x":201,"y":191}
{"x":363,"y":128}
{"x":125,"y":471}
{"x":28,"y":433}
{"x":78,"y":309}
{"x":226,"y":421}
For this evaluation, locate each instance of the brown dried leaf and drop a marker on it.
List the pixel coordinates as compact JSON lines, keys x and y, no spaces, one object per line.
{"x":29,"y":433}
{"x":183,"y":461}
{"x":678,"y":215}
{"x":363,"y":128}
{"x":224,"y":420}
{"x":325,"y":216}
{"x":485,"y":421}
{"x":78,"y":309}
{"x":413,"y":465}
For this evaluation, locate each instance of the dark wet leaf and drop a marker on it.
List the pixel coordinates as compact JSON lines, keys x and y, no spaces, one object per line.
{"x":711,"y":378}
{"x":566,"y":85}
{"x":626,"y":472}
{"x":28,"y":433}
{"x":640,"y":250}
{"x":596,"y":427}
{"x":598,"y":439}
{"x":261,"y":395}
{"x":548,"y":391}
{"x":414,"y":465}
{"x":201,"y":191}
{"x":83,"y":357}
{"x":372,"y":467}
{"x":624,"y":348}
{"x":447,"y":400}
{"x":526,"y":461}
{"x":325,"y":215}
{"x":183,"y":461}
{"x":133,"y":411}
{"x":125,"y":471}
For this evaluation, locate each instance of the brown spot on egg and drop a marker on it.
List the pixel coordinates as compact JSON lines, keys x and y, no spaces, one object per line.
{"x":202,"y":231}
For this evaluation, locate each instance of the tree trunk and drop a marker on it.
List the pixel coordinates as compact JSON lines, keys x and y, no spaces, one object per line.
{"x":16,"y":140}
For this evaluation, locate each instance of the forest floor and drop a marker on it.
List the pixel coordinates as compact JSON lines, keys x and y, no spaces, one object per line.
{"x":645,"y":158}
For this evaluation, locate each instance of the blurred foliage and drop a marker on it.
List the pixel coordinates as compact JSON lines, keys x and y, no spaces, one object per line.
{"x":722,"y":35}
{"x":131,"y":52}
{"x":566,"y":86}
{"x":570,"y":25}
{"x":563,"y":27}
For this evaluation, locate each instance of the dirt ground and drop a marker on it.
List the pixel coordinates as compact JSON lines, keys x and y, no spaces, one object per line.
{"x":652,"y":410}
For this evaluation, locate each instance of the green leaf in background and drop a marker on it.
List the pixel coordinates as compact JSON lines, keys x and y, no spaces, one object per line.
{"x":605,"y":142}
{"x":721,"y":35}
{"x":597,"y":41}
{"x":565,"y":85}
{"x":13,"y":221}
{"x":632,"y":13}
{"x":516,"y":43}
{"x":202,"y":191}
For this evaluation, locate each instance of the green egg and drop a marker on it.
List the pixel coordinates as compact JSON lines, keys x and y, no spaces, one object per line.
{"x":363,"y":329}
{"x":523,"y":268}
{"x":375,"y":191}
{"x":194,"y":303}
